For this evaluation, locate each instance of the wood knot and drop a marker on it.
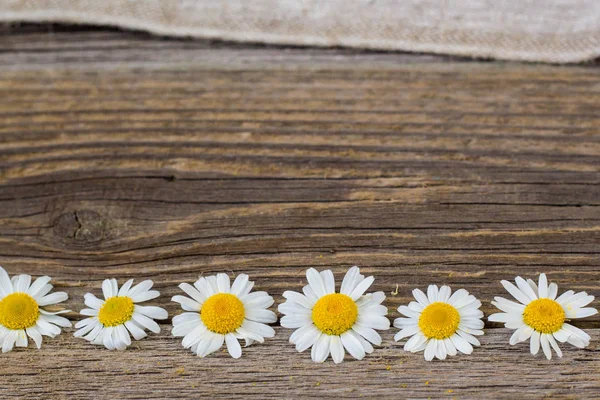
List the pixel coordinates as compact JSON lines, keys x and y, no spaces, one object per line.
{"x":82,"y":227}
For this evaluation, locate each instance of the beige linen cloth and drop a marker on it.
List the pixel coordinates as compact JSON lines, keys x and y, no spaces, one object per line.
{"x":558,"y":31}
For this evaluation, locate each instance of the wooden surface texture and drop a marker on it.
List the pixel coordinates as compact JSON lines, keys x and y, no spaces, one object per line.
{"x":127,"y":156}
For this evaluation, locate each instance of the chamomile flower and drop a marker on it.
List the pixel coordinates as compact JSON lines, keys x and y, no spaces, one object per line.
{"x":541,"y":316}
{"x":21,"y":312}
{"x":220,"y":312}
{"x":330,"y":322}
{"x":441,"y":323}
{"x":113,"y":319}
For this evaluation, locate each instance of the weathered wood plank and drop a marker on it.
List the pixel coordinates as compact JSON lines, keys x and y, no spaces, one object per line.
{"x":128,"y":156}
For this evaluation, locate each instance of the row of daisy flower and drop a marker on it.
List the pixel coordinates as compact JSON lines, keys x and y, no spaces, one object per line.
{"x":217,"y":312}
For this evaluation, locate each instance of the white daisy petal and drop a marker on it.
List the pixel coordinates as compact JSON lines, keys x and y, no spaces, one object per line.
{"x":328,"y":281}
{"x":187,"y":303}
{"x":564,"y":296}
{"x":352,"y":345}
{"x":368,"y":333}
{"x":431,"y":349}
{"x":152,"y":311}
{"x":321,"y":349}
{"x":543,"y":290}
{"x":461,"y":344}
{"x":545,"y":344}
{"x":525,"y":288}
{"x":516,"y":292}
{"x":294,"y":321}
{"x":141,"y":287}
{"x":53,"y":298}
{"x":261,"y":315}
{"x":308,"y":339}
{"x":56,"y":320}
{"x":534,"y":343}
{"x":404,"y":310}
{"x":193,"y":292}
{"x":302,"y":332}
{"x":37,"y":285}
{"x":432,"y":293}
{"x":22,"y":284}
{"x":233,"y":346}
{"x":336,"y":348}
{"x":9,"y":340}
{"x":145,"y":296}
{"x":457,"y":296}
{"x":348,"y":283}
{"x":92,"y":301}
{"x":257,"y":300}
{"x":552,"y":291}
{"x":421,"y":297}
{"x":561,"y":335}
{"x":554,"y":345}
{"x":299,"y":298}
{"x":223,"y":283}
{"x":35,"y":335}
{"x":316,"y":282}
{"x":107,"y":289}
{"x":239,"y":284}
{"x":444,"y":294}
{"x":146,"y":322}
{"x":450,"y":349}
{"x":6,"y":286}
{"x":415,"y":342}
{"x":310,"y":294}
{"x":21,"y":339}
{"x":136,"y":331}
{"x":361,"y":288}
{"x":441,"y":350}
{"x":124,"y":291}
{"x":581,"y":312}
{"x":406,"y":332}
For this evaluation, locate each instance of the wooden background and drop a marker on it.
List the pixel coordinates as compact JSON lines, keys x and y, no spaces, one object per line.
{"x":123,"y":155}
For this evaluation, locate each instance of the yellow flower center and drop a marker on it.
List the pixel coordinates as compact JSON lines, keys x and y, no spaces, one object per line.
{"x":116,"y":311}
{"x":18,"y":311}
{"x":439,"y":320}
{"x":544,"y":315}
{"x":223,"y":313}
{"x":334,"y":313}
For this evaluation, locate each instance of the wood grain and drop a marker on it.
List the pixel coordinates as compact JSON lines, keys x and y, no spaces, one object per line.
{"x":123,"y":155}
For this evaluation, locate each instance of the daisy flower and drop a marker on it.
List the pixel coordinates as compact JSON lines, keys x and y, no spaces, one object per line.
{"x":220,"y":312}
{"x":21,"y":314}
{"x":113,"y":319}
{"x":541,"y":316}
{"x":330,"y":322}
{"x":441,"y":323}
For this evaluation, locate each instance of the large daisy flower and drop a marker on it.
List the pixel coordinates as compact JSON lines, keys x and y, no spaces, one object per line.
{"x":113,"y":319}
{"x":541,"y":316}
{"x":331,"y":322}
{"x":21,"y":314}
{"x":220,"y":312}
{"x":441,"y":323}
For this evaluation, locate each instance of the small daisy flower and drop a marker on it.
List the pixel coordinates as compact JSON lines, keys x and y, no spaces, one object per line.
{"x":441,"y":323}
{"x":330,"y":322}
{"x":21,"y":314}
{"x":220,"y":312}
{"x":540,"y":316}
{"x":113,"y":319}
